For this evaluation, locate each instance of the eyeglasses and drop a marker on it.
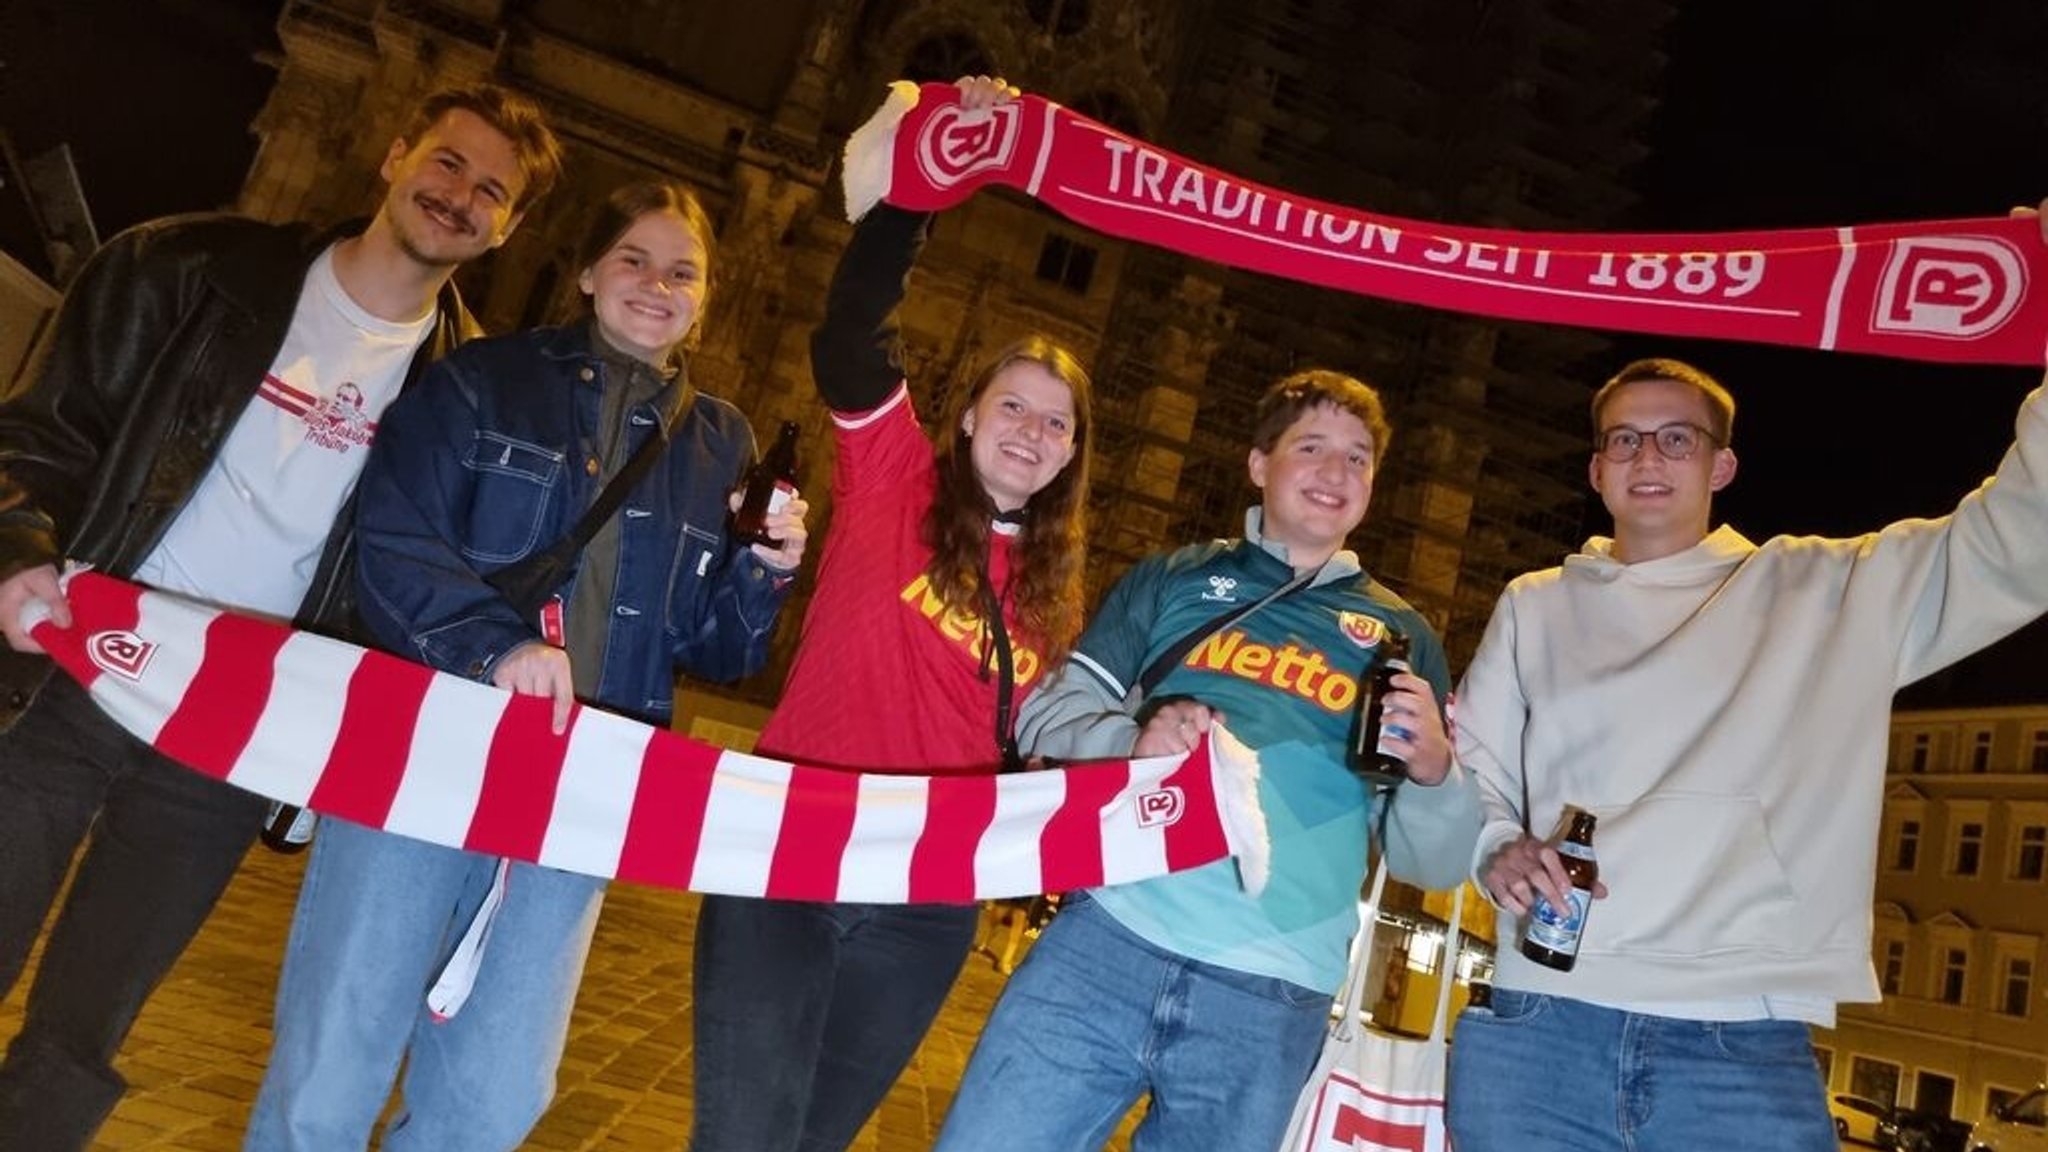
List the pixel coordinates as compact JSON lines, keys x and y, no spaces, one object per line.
{"x":1674,"y":441}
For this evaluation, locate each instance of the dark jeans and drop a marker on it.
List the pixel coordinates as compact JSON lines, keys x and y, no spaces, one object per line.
{"x":165,"y":842}
{"x":806,"y":1014}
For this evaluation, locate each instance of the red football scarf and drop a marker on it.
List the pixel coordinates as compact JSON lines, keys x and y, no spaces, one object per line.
{"x":1956,"y":290}
{"x":374,"y":739}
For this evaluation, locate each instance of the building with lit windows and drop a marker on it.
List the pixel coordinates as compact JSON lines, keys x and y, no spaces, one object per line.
{"x":1960,"y":915}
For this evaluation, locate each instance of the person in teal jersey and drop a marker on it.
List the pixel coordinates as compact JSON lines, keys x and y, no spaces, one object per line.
{"x":1212,"y":1000}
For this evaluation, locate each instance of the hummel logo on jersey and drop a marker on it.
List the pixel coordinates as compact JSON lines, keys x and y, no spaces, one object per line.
{"x":1222,"y":589}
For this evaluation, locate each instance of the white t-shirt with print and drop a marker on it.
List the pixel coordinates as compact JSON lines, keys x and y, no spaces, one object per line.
{"x":252,"y":534}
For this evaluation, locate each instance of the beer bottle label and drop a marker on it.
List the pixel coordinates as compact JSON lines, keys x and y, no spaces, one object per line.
{"x":1388,"y":729}
{"x":1559,"y":930}
{"x":1579,"y":851}
{"x":779,"y":499}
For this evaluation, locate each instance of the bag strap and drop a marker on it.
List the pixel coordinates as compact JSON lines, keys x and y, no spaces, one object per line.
{"x":999,"y":639}
{"x":561,"y":552}
{"x":614,"y":494}
{"x":1454,"y":944}
{"x":1353,"y":996}
{"x":1174,"y":654}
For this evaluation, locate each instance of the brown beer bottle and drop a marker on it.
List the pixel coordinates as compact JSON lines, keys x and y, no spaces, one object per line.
{"x":1371,"y":757}
{"x":768,"y":487}
{"x":288,"y":828}
{"x":1552,"y":937}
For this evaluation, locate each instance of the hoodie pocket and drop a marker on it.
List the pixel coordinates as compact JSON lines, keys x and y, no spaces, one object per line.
{"x":1690,"y":874}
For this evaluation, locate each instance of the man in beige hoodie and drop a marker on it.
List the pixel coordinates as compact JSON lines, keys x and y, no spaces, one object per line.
{"x":1722,"y":707}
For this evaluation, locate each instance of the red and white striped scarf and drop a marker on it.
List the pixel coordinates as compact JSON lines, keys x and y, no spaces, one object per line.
{"x":386,"y":743}
{"x":1954,"y":290}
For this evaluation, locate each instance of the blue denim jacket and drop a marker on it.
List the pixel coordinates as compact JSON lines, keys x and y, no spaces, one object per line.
{"x":482,"y":464}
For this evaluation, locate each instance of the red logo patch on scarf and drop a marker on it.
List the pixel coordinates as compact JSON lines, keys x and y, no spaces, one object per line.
{"x":1952,"y":286}
{"x":122,"y":653}
{"x":954,"y":146}
{"x":1161,"y":808}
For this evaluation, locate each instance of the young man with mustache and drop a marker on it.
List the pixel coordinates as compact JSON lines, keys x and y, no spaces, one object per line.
{"x":195,"y":421}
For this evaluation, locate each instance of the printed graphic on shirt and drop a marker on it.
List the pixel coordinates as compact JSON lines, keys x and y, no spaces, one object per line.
{"x":337,"y":423}
{"x":1222,"y":589}
{"x":1288,"y":668}
{"x":964,"y":629}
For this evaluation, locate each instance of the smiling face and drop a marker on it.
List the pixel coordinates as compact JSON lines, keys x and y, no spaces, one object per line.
{"x":1660,"y":506}
{"x":454,"y":192}
{"x":1316,"y":482}
{"x":648,"y":286}
{"x":1021,"y":432}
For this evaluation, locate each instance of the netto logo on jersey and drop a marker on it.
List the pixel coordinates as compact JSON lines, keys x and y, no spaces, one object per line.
{"x":122,"y":653}
{"x":954,"y":146}
{"x":1161,"y":808}
{"x":1952,"y":287}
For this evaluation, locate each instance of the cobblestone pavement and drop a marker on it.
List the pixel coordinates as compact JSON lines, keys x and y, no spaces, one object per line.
{"x":196,"y":1055}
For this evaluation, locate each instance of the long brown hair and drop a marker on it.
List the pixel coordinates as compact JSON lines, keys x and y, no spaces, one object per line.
{"x":1046,"y":573}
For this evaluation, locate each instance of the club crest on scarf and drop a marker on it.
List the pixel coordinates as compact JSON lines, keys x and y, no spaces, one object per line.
{"x":1362,"y":630}
{"x":1161,"y":808}
{"x":122,"y":653}
{"x":956,"y":144}
{"x":1954,"y":286}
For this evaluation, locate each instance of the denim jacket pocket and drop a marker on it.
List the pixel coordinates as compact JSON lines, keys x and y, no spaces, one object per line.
{"x":516,"y":486}
{"x":697,"y":554}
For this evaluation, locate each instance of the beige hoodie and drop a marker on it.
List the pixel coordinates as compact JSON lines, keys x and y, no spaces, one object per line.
{"x":1724,"y":711}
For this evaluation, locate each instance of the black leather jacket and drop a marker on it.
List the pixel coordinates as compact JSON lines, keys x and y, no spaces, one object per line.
{"x":160,"y":344}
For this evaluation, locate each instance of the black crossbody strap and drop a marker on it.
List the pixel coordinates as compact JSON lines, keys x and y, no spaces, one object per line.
{"x":999,"y":639}
{"x":607,"y":503}
{"x":1164,"y":663}
{"x":527,"y":584}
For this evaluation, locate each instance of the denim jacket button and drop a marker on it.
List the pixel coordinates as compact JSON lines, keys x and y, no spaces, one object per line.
{"x":587,"y":375}
{"x":590,"y":466}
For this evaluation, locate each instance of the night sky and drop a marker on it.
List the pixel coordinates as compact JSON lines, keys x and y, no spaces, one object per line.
{"x":1778,"y":114}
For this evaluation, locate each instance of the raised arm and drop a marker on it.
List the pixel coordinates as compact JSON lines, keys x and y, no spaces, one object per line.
{"x":857,"y":352}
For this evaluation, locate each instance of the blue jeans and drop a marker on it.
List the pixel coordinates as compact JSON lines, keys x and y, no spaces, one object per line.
{"x":1095,"y":1017}
{"x":806,"y":1013}
{"x":377,"y":918}
{"x":1537,"y":1073}
{"x":164,"y":843}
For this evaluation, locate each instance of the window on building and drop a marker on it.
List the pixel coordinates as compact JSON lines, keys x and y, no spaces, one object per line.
{"x":2016,"y":992}
{"x":1996,"y":1098}
{"x":1980,"y":751}
{"x":1906,"y":847}
{"x":1916,"y":759}
{"x":1873,"y":1079}
{"x":2030,"y":853}
{"x":1892,"y":973}
{"x":2037,"y":759}
{"x":1825,"y":1057}
{"x":1955,"y":975}
{"x":1969,"y":848}
{"x":1067,"y":263}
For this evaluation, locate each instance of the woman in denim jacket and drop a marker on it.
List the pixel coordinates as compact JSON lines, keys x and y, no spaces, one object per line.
{"x":495,"y":457}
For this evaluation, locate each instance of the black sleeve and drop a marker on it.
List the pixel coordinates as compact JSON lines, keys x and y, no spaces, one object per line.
{"x":68,"y":405}
{"x":856,"y":354}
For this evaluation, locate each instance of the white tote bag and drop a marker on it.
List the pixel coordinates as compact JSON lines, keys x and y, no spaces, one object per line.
{"x":1372,"y":1092}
